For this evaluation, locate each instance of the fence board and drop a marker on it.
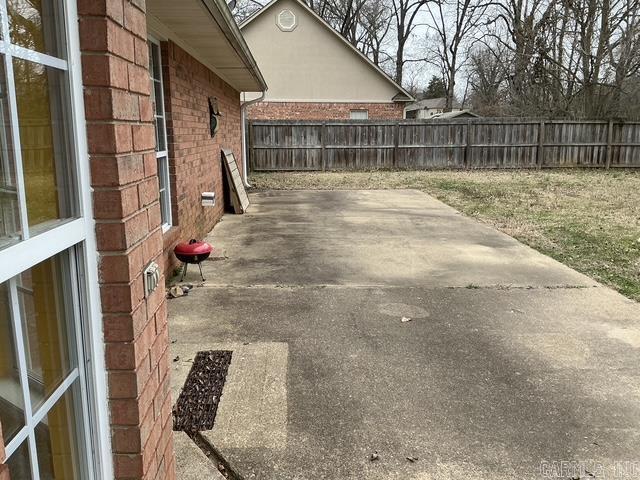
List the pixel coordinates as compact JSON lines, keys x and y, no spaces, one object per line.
{"x":451,"y":144}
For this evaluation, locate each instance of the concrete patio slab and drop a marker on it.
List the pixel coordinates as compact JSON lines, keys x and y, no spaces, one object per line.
{"x":510,"y":364}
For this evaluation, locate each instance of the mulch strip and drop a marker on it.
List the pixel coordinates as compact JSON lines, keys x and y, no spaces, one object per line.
{"x":197,"y":404}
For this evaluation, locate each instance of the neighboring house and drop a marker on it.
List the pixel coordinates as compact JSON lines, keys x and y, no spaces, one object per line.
{"x":105,"y":149}
{"x":429,"y":107}
{"x":313,"y":72}
{"x":455,"y":114}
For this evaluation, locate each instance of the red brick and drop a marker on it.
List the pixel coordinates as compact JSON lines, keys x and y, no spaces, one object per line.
{"x":161,"y":316}
{"x":155,"y":216}
{"x":150,"y":165}
{"x":139,"y":80}
{"x":322,"y":111}
{"x":128,"y":465}
{"x":135,"y":20}
{"x":115,"y":204}
{"x":110,"y":171}
{"x":152,"y":247}
{"x":141,"y":50}
{"x":158,"y":348}
{"x":104,"y":71}
{"x":120,"y":41}
{"x":123,"y":384}
{"x":145,"y":108}
{"x":125,"y":411}
{"x":122,"y":297}
{"x":105,"y":8}
{"x":148,"y":192}
{"x":124,"y":105}
{"x":125,"y":327}
{"x":144,"y":137}
{"x":93,"y":34}
{"x":122,"y":235}
{"x":109,"y":138}
{"x":130,"y":355}
{"x":121,"y":267}
{"x":126,"y":439}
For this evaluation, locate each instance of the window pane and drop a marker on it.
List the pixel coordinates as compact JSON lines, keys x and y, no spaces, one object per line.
{"x":46,"y":336}
{"x":10,"y":231}
{"x":41,"y":93}
{"x":11,"y":398}
{"x":163,"y":180}
{"x":19,"y":466}
{"x":37,"y":25}
{"x":57,"y":441}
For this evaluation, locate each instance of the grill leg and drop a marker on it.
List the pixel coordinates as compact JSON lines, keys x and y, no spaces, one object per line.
{"x":200,"y":267}
{"x":184,"y":271}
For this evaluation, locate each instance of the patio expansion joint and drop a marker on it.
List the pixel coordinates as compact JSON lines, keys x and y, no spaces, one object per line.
{"x":277,"y":286}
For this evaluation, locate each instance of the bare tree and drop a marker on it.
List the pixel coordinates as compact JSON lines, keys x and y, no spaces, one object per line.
{"x":487,"y":82}
{"x":376,"y":19}
{"x":405,"y":13}
{"x":457,"y":25}
{"x":243,"y":9}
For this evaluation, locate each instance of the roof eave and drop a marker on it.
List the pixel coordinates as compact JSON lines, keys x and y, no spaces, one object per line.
{"x":234,"y":36}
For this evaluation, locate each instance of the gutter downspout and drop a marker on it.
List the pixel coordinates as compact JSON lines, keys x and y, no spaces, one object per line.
{"x":243,"y":120}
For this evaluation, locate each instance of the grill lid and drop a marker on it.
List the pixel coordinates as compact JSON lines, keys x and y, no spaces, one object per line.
{"x":194,"y":247}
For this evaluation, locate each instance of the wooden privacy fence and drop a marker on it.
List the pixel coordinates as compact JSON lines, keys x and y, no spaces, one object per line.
{"x":478,"y":143}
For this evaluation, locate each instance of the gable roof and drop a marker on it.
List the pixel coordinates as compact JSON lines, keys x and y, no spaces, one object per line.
{"x":402,"y":96}
{"x":428,"y":103}
{"x":459,"y":113}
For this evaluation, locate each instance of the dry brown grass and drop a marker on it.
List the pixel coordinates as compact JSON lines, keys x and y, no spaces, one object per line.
{"x":589,"y":220}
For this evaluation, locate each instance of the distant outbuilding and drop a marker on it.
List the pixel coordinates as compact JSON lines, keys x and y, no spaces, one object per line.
{"x":429,"y":107}
{"x":456,"y":114}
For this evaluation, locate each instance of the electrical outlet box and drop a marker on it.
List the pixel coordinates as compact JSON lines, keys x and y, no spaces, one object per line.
{"x":151,"y":278}
{"x":208,"y":199}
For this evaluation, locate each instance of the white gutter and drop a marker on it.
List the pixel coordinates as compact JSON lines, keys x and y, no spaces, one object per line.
{"x":243,"y":120}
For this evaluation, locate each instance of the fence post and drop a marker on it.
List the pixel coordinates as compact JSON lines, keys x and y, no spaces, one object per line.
{"x":467,"y":147}
{"x":323,"y":143}
{"x":609,"y":144}
{"x":250,"y":150}
{"x":540,"y":151}
{"x":396,"y":143}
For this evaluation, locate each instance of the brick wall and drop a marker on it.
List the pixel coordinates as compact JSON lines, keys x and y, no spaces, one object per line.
{"x":322,"y":111}
{"x":121,"y":142}
{"x":194,"y":157}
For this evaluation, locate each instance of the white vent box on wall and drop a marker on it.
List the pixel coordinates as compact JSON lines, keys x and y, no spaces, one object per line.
{"x":151,"y":278}
{"x":208,"y":199}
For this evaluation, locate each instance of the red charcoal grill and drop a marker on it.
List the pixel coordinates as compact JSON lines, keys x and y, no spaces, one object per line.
{"x":192,"y":252}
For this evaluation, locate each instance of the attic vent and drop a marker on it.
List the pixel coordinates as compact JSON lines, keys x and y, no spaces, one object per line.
{"x":286,"y":21}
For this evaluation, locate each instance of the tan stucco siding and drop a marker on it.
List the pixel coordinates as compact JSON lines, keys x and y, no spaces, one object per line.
{"x":310,"y":63}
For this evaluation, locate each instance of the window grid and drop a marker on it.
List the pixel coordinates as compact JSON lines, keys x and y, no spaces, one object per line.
{"x":157,"y":95}
{"x":75,"y":379}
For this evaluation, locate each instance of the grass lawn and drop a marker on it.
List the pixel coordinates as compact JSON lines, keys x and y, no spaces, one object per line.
{"x":589,"y":220}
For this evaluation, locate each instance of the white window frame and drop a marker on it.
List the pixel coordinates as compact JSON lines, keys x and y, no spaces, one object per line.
{"x":355,"y":113}
{"x":77,"y":236}
{"x":162,"y":156}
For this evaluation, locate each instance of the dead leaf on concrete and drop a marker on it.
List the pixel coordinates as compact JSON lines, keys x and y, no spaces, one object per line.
{"x":175,"y":292}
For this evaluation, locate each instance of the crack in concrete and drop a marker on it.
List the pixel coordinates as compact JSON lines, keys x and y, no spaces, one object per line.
{"x":216,"y":458}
